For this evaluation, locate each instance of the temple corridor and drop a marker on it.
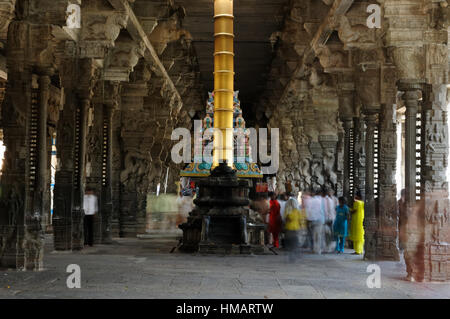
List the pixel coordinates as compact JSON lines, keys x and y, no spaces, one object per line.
{"x":345,"y":95}
{"x":132,"y":268}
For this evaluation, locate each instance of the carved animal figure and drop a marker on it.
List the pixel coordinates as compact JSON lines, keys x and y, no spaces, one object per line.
{"x":109,"y":29}
{"x":168,"y":31}
{"x":350,"y":34}
{"x":329,"y":161}
{"x":317,"y":174}
{"x":128,"y":57}
{"x":330,"y":59}
{"x":135,"y":170}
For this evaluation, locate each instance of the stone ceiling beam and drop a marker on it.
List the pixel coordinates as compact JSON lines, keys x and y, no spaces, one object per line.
{"x":138,"y":34}
{"x":323,"y":33}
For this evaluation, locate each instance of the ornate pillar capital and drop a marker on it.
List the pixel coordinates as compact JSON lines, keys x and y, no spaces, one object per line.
{"x":370,"y":117}
{"x":406,"y":85}
{"x":347,"y":123}
{"x":101,"y":28}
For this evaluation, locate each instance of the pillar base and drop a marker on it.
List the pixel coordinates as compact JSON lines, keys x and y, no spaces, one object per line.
{"x":437,"y":262}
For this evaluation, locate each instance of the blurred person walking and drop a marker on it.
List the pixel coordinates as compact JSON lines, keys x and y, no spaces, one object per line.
{"x":317,"y":221}
{"x":340,"y":226}
{"x":275,"y":222}
{"x":185,"y":205}
{"x":295,"y":222}
{"x":331,"y":202}
{"x":402,"y":219}
{"x":90,"y":205}
{"x":306,"y":205}
{"x":357,"y":224}
{"x":282,"y":199}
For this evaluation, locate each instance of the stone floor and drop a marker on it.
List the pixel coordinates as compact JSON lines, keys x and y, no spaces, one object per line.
{"x":145,"y":268}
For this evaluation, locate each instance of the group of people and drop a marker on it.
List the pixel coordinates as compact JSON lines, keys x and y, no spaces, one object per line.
{"x":320,"y":222}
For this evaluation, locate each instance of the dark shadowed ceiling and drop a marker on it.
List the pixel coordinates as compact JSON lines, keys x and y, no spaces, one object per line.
{"x":255,"y":21}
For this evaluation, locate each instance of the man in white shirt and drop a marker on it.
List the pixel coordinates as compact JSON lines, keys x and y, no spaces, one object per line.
{"x":282,"y":201}
{"x":316,"y":218}
{"x":90,"y":205}
{"x":330,"y":215}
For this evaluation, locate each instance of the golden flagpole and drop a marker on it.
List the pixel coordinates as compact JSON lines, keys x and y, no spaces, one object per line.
{"x":223,"y":81}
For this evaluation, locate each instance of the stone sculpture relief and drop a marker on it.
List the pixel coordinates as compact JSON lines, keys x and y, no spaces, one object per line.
{"x":168,"y":31}
{"x":135,"y":170}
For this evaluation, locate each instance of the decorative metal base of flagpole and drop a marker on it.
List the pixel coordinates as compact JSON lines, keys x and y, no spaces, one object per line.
{"x":218,"y":225}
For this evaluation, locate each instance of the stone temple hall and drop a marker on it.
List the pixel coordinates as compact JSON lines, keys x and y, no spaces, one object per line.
{"x":288,"y":96}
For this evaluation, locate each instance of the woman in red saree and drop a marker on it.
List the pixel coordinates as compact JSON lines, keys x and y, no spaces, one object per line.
{"x":275,"y":222}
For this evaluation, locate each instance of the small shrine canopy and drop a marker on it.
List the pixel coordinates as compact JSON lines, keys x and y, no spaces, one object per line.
{"x":243,"y":163}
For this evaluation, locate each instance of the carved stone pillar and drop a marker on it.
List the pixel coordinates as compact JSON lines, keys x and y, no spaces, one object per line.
{"x":387,"y":188}
{"x":359,"y":164}
{"x":64,"y":178}
{"x":429,"y":229}
{"x":115,"y":178}
{"x":348,"y":125}
{"x":346,"y":92}
{"x":387,"y":213}
{"x":16,"y":167}
{"x":79,"y":174}
{"x":411,"y":98}
{"x":44,"y":95}
{"x":414,"y":262}
{"x":370,"y":221}
{"x":107,"y":204}
{"x":34,"y":232}
{"x":94,"y":164}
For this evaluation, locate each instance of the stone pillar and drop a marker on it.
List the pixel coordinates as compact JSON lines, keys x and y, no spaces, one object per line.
{"x":346,"y":93}
{"x":47,"y":220}
{"x":78,"y":79}
{"x":359,"y":164}
{"x":44,"y":95}
{"x":80,"y":175}
{"x":115,"y":178}
{"x":16,"y":167}
{"x":34,"y":232}
{"x":387,"y":188}
{"x":413,"y":252}
{"x":348,"y":125}
{"x":107,"y":205}
{"x":370,"y":221}
{"x":94,"y":164}
{"x":429,"y":229}
{"x":411,"y":98}
{"x":25,"y":172}
{"x":64,"y":179}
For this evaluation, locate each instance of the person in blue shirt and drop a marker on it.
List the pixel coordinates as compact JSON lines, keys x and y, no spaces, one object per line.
{"x":340,"y":224}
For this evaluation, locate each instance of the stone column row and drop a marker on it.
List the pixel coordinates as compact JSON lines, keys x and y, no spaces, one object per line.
{"x":25,"y":176}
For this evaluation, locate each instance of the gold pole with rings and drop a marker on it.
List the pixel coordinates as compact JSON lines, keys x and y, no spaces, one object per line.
{"x":223,"y":82}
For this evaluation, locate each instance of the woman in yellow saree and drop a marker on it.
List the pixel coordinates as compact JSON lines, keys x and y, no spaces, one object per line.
{"x":356,"y":226}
